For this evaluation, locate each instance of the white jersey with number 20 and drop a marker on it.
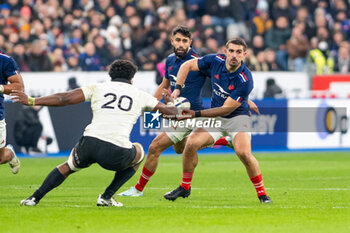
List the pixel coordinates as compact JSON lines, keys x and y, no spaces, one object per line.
{"x":116,"y":107}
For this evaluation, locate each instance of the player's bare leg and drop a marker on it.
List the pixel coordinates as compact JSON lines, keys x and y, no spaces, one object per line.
{"x":242,"y":145}
{"x":197,"y":140}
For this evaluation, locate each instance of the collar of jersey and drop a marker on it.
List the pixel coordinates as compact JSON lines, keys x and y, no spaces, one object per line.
{"x":121,"y":80}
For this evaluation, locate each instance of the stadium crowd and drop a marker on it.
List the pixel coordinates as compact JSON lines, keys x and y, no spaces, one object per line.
{"x":68,"y":35}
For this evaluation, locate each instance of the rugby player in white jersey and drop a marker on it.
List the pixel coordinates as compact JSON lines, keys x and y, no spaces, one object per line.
{"x":116,"y":106}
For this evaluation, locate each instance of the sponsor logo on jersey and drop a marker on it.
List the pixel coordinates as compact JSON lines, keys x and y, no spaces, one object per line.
{"x":221,"y":92}
{"x":231,"y":87}
{"x":216,"y":76}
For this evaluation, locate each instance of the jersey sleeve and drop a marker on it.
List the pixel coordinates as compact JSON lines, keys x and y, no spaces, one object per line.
{"x":11,"y":68}
{"x":150,"y":101}
{"x":88,"y":91}
{"x":204,"y":63}
{"x":242,"y":91}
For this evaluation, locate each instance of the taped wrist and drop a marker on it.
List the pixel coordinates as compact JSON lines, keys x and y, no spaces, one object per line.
{"x":31,"y":101}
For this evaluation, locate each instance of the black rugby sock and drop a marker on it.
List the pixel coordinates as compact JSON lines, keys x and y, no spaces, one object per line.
{"x":54,"y":179}
{"x":119,"y":179}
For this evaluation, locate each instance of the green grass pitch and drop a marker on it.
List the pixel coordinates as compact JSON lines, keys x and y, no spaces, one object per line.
{"x":310,"y":192}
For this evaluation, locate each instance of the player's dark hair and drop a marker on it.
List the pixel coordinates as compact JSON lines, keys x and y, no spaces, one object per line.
{"x":122,"y":69}
{"x":237,"y":41}
{"x":182,"y":30}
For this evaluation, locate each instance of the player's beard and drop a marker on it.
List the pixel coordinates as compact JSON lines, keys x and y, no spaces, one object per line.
{"x":180,"y":53}
{"x":234,"y":64}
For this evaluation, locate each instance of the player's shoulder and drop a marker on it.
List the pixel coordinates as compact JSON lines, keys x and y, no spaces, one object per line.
{"x":5,"y":57}
{"x":194,"y":54}
{"x":171,"y":57}
{"x":245,"y":75}
{"x":220,"y":57}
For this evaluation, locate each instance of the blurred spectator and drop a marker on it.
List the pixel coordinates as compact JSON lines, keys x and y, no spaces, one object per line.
{"x":58,"y":61}
{"x":303,"y":16}
{"x":38,"y":58}
{"x":88,"y":60}
{"x":258,"y":44}
{"x":272,"y":89}
{"x":21,"y":57}
{"x":103,"y":51}
{"x":195,"y":8}
{"x":342,"y":60}
{"x":319,"y":57}
{"x":261,"y":64}
{"x":298,"y":47}
{"x":281,"y":8}
{"x":338,"y":38}
{"x":250,"y":60}
{"x":270,"y":57}
{"x":261,"y":22}
{"x":276,"y":39}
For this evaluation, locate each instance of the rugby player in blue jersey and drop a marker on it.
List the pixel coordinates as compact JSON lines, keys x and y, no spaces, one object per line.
{"x":232,"y":83}
{"x":10,"y":79}
{"x":181,"y":42}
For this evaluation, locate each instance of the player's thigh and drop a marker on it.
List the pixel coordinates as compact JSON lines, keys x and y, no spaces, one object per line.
{"x":178,"y":134}
{"x":242,"y":143}
{"x":80,"y":156}
{"x":200,"y":138}
{"x":160,"y":143}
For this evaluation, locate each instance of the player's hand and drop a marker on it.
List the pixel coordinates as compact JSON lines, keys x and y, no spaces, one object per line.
{"x":175,"y":93}
{"x":19,"y":97}
{"x":253,"y":107}
{"x":167,"y":97}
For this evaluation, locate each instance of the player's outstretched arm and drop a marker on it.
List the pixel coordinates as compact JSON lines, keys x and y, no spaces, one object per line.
{"x":59,"y":99}
{"x":16,"y":83}
{"x":229,"y":106}
{"x":191,"y":65}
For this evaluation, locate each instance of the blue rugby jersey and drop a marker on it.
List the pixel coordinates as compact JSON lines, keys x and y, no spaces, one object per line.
{"x":8,"y":68}
{"x":236,"y":85}
{"x":194,"y":81}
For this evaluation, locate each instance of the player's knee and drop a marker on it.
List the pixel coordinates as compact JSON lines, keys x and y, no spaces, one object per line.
{"x":193,"y":143}
{"x":155,"y":149}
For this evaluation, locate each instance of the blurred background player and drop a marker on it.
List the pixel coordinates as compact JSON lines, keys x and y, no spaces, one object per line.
{"x":226,"y":70}
{"x":10,"y":79}
{"x":181,"y":42}
{"x":103,"y":142}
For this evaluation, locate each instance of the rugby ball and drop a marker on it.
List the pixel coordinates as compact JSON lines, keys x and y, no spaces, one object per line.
{"x":182,"y":102}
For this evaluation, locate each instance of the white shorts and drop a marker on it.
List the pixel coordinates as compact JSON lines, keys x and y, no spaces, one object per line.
{"x":179,"y":133}
{"x":230,"y":126}
{"x":2,"y":133}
